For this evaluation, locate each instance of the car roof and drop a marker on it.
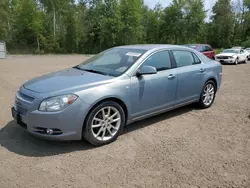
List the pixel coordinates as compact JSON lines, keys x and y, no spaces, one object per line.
{"x":237,"y":47}
{"x":198,"y":44}
{"x":151,"y":46}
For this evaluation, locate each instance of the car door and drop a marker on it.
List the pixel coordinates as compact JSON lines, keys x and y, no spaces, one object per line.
{"x":244,"y":55}
{"x":152,"y":93}
{"x":189,"y":75}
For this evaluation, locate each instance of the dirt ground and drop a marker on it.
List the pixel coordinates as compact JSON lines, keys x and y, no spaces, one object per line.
{"x":187,"y":147}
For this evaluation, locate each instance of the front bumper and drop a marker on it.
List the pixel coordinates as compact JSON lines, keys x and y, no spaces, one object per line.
{"x":67,"y":124}
{"x":228,"y":61}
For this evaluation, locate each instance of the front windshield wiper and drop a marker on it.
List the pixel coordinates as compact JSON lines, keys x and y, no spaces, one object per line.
{"x":91,"y":70}
{"x":77,"y":67}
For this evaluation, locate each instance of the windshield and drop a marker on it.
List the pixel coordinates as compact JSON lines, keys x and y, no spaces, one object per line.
{"x":231,"y":51}
{"x":112,"y":62}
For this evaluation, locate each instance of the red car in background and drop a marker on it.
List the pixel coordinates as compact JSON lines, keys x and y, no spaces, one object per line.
{"x":206,"y":49}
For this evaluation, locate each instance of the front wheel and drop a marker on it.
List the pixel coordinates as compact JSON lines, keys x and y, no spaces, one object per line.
{"x":236,"y":62}
{"x":104,"y":123}
{"x":207,"y":95}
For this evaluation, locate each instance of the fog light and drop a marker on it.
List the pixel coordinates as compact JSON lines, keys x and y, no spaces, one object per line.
{"x":49,"y":131}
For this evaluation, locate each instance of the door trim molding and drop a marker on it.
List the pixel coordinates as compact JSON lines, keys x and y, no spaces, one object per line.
{"x":162,"y":111}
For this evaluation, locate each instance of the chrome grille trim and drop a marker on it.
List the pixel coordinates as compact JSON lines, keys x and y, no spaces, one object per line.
{"x":24,"y":98}
{"x":222,"y":57}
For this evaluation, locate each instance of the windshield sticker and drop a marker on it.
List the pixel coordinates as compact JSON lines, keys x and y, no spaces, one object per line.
{"x":133,"y":54}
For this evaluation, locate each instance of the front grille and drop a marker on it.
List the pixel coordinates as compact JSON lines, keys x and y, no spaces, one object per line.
{"x":22,"y":97}
{"x":21,"y":110}
{"x":222,"y":57}
{"x":22,"y":103}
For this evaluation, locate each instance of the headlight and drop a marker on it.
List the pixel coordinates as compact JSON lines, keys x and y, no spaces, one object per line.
{"x":231,"y":57}
{"x":58,"y":103}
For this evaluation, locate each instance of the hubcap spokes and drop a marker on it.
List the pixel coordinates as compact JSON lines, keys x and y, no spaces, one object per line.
{"x":106,"y":123}
{"x":208,"y":94}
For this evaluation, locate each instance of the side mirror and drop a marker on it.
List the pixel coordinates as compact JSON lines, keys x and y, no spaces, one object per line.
{"x":146,"y":70}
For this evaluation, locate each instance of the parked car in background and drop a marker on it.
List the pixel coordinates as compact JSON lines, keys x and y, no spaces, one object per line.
{"x":232,"y":56}
{"x":206,"y":49}
{"x":97,"y":98}
{"x":238,"y":47}
{"x":248,"y":51}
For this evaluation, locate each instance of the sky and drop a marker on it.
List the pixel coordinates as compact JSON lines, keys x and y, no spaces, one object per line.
{"x":208,"y":4}
{"x":151,"y":3}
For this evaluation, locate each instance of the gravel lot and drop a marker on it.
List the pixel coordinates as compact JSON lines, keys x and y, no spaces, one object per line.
{"x":184,"y":148}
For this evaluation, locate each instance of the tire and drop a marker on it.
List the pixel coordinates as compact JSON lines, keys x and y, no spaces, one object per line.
{"x":202,"y":102}
{"x":236,"y":62}
{"x":246,"y":60}
{"x":99,"y":128}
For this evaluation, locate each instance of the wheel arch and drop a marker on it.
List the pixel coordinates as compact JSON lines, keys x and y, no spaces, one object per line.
{"x":113,"y":99}
{"x":214,"y":80}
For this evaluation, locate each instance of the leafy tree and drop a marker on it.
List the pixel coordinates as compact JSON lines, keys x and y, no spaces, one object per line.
{"x":151,"y":22}
{"x":90,"y":26}
{"x":131,"y":16}
{"x":194,"y":16}
{"x":4,"y":19}
{"x":172,"y":23}
{"x":223,"y":23}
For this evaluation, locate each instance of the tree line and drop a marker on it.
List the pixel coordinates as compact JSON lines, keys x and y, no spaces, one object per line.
{"x":90,"y":26}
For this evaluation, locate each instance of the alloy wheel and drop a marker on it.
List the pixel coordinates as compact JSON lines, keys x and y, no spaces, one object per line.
{"x":208,"y":94}
{"x":106,"y":123}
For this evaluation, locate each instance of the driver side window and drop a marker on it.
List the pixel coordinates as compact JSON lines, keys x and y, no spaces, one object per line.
{"x":160,"y":60}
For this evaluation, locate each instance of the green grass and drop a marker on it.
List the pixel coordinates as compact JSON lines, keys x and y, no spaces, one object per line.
{"x":218,"y":50}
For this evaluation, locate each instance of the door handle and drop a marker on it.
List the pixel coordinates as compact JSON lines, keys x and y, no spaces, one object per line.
{"x":171,"y":76}
{"x":202,"y":70}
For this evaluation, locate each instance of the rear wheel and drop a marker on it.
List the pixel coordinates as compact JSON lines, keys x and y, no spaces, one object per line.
{"x":104,"y":123}
{"x":247,"y":58}
{"x":207,"y":95}
{"x":245,"y":61}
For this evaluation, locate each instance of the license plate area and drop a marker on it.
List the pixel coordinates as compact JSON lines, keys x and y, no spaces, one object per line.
{"x":222,"y":61}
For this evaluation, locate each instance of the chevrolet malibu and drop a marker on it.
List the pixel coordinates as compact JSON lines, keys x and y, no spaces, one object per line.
{"x":97,"y":98}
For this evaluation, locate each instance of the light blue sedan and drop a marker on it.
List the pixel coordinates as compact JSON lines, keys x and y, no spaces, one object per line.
{"x":96,"y":99}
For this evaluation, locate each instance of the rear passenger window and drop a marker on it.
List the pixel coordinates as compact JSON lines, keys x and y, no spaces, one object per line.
{"x":185,"y":58}
{"x":160,"y":60}
{"x":208,"y":48}
{"x":202,"y":49}
{"x":196,"y":59}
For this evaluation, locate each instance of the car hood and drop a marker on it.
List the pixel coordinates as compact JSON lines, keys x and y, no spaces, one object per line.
{"x":66,"y":80}
{"x":227,"y":54}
